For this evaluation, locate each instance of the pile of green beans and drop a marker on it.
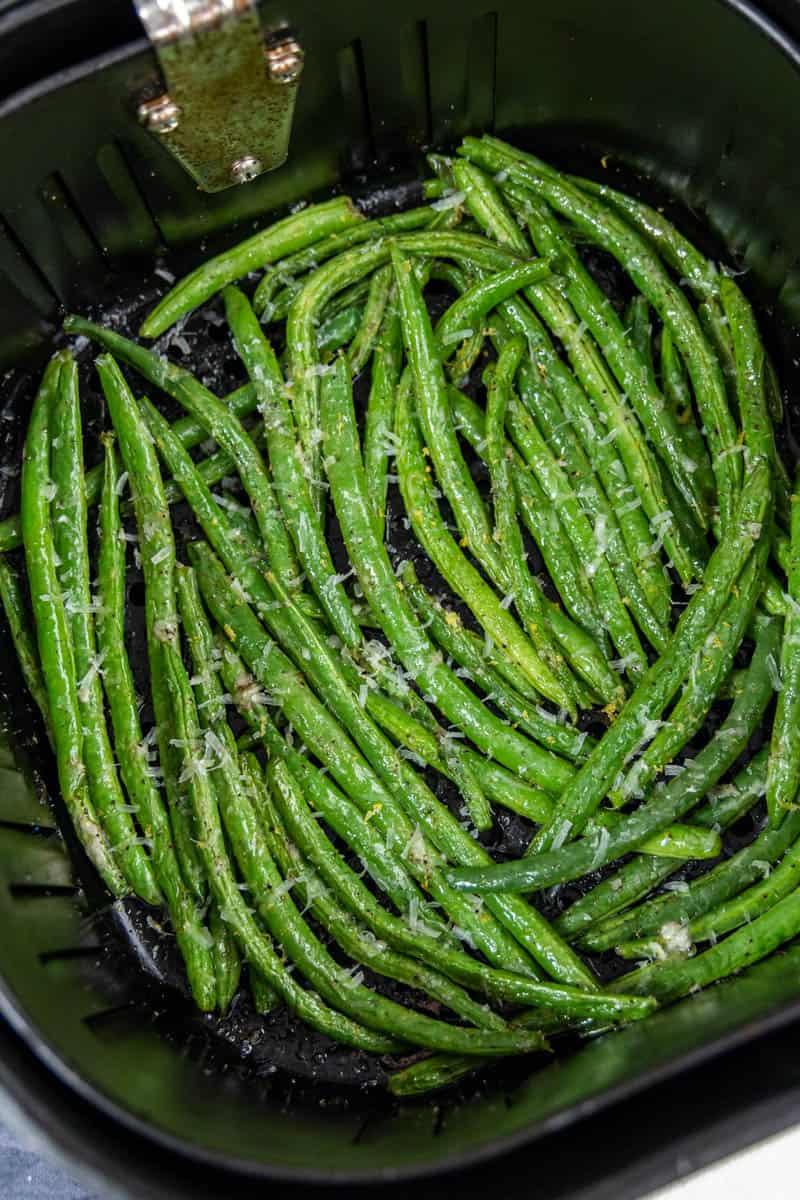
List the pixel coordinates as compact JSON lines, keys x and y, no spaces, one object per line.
{"x":569,"y":539}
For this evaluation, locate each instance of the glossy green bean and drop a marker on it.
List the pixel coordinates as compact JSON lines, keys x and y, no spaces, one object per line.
{"x":377,"y":298}
{"x":645,"y":269}
{"x":588,"y":542}
{"x":358,"y":942}
{"x":379,"y":423}
{"x":670,"y":980}
{"x":290,"y":484}
{"x":528,"y":598}
{"x":71,"y":545}
{"x":346,"y":475}
{"x":317,"y":253}
{"x":557,"y":999}
{"x":638,"y":877}
{"x":444,"y":626}
{"x":23,"y":636}
{"x":131,"y":750}
{"x":293,"y":233}
{"x":227,"y":959}
{"x":783,"y":778}
{"x":677,"y":394}
{"x":541,"y":519}
{"x":52,"y":631}
{"x":710,"y":666}
{"x":157,"y":548}
{"x":582,"y":797}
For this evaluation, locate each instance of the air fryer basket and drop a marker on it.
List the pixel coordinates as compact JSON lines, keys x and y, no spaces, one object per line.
{"x":693,"y":101}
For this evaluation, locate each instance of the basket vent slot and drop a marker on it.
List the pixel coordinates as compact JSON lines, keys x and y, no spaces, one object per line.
{"x":69,"y":222}
{"x":68,"y":953}
{"x":41,"y":891}
{"x":355,"y":101}
{"x":39,"y":831}
{"x":482,"y":74}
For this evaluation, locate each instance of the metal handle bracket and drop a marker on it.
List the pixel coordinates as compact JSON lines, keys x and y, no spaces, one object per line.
{"x":226,"y":111}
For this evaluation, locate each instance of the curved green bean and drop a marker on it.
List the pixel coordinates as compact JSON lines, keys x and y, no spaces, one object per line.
{"x":291,"y":234}
{"x":71,"y":545}
{"x":123,"y":706}
{"x":52,"y":631}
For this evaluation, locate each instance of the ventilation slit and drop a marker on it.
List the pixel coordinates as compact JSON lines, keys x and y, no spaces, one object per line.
{"x":69,"y":222}
{"x":355,"y":100}
{"x":23,"y":271}
{"x":482,"y":73}
{"x":41,"y":891}
{"x":42,"y":831}
{"x":67,"y":953}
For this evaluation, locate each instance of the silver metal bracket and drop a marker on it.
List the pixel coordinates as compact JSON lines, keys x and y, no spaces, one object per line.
{"x":230,"y":88}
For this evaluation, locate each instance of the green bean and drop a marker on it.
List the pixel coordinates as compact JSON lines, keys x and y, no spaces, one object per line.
{"x":587,"y":542}
{"x":675,"y":386}
{"x":670,"y":980}
{"x":638,"y":877}
{"x":260,"y":875}
{"x":52,"y":631}
{"x":709,"y":667}
{"x":432,"y":408}
{"x":541,"y":519}
{"x":675,"y":841}
{"x":699,"y":273}
{"x":23,"y":637}
{"x":507,"y":533}
{"x":283,"y":679}
{"x":317,"y":253}
{"x":227,"y":960}
{"x":558,"y":999}
{"x":558,"y":310}
{"x":345,"y":819}
{"x":379,"y":424}
{"x":756,"y":899}
{"x":339,"y":330}
{"x":290,"y":483}
{"x":645,"y":269}
{"x":269,"y":245}
{"x":707,"y":891}
{"x":428,"y":816}
{"x":487,"y":207}
{"x":338,"y":985}
{"x":618,"y":502}
{"x":447,"y":631}
{"x":358,"y":942}
{"x":759,"y":439}
{"x":640,"y":464}
{"x":783,"y":778}
{"x":377,"y":299}
{"x":640,"y":331}
{"x":157,"y":547}
{"x":242,"y":402}
{"x":632,"y":369}
{"x":419,"y":498}
{"x":475,"y":302}
{"x":123,"y":705}
{"x":583,"y":795}
{"x":336,"y":751}
{"x":346,"y":475}
{"x":263,"y":995}
{"x":71,"y":546}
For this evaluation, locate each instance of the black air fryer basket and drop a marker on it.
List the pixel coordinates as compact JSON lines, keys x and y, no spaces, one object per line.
{"x":693,"y":103}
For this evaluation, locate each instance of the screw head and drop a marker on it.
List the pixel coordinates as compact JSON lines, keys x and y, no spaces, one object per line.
{"x":160,"y":115}
{"x":285,"y":60}
{"x":245,"y":168}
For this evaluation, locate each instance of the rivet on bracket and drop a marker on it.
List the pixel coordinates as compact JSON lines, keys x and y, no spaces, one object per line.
{"x":160,"y":115}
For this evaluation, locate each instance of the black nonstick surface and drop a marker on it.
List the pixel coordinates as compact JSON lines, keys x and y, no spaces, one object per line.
{"x":127,"y":950}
